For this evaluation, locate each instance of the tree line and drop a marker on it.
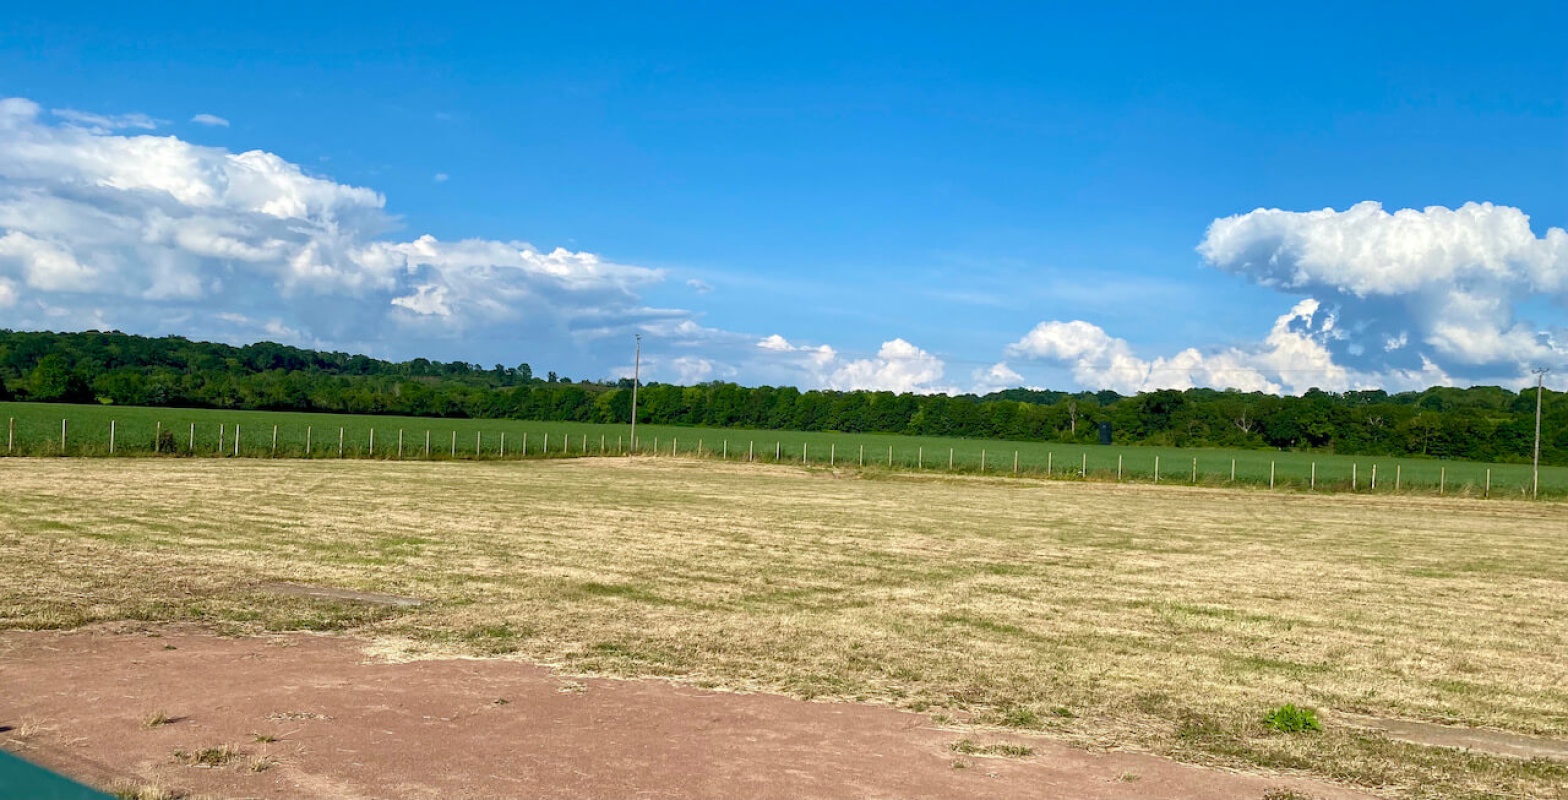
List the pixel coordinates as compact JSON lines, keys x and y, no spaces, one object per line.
{"x":1480,"y":423}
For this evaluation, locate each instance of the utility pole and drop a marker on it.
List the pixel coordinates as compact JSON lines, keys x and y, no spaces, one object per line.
{"x":636,"y":374}
{"x":1540,"y":379}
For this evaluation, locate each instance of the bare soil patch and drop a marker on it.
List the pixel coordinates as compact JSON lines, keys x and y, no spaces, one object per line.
{"x":308,"y":716}
{"x":1497,"y":743}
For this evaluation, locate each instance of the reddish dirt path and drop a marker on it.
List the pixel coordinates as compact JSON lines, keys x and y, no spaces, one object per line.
{"x":497,"y":729}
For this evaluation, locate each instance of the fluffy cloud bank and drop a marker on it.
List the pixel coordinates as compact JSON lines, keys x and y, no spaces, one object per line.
{"x":1448,"y":281}
{"x":149,"y":233}
{"x":1391,"y":300}
{"x":898,"y":366}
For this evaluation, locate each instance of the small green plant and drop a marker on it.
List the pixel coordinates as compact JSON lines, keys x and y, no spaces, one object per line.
{"x":208,"y":756}
{"x":1020,"y":717}
{"x":970,"y":747}
{"x":1286,"y":794}
{"x":1290,"y":718}
{"x":156,"y":719}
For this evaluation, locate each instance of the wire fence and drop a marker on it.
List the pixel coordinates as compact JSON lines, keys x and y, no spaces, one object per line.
{"x":144,"y":437}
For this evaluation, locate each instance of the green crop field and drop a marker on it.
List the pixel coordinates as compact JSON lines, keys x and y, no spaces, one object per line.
{"x":36,"y":430}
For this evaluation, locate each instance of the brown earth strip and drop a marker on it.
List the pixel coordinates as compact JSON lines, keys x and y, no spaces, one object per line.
{"x":308,"y":716}
{"x":1497,"y":743}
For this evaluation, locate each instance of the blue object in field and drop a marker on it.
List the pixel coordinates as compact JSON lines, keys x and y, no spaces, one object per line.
{"x":20,"y":780}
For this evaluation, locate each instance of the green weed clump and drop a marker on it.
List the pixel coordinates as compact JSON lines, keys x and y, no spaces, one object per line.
{"x":1289,"y":718}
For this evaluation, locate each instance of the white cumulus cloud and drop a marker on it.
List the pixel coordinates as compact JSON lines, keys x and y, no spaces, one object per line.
{"x":1439,"y":284}
{"x":133,"y":231}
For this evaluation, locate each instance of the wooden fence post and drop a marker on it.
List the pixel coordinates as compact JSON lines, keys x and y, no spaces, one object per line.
{"x":1313,"y":481}
{"x":1195,"y":471}
{"x":1083,"y":471}
{"x":62,"y":437}
{"x":274,"y":441}
{"x":1015,"y":462}
{"x":1488,"y":482}
{"x":1118,"y":467}
{"x":454,"y":444}
{"x":503,"y":444}
{"x":949,"y":459}
{"x":372,"y":442}
{"x":221,"y":438}
{"x":1233,"y":470}
{"x":1271,"y":474}
{"x":340,"y":442}
{"x":193,"y":438}
{"x":1156,"y":469}
{"x":1442,"y":480}
{"x":308,"y":432}
{"x":920,"y":457}
{"x":236,"y":440}
{"x":111,"y":437}
{"x":982,"y":459}
{"x":427,"y":443}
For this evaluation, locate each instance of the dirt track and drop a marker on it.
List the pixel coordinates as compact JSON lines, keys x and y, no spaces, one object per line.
{"x":349,"y":728}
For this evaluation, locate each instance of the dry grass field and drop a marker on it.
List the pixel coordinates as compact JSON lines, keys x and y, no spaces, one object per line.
{"x":1159,"y":618}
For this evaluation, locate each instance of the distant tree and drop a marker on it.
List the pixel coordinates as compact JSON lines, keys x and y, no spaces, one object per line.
{"x":52,"y":381}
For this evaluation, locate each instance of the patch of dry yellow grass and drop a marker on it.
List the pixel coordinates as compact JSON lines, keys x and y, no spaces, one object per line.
{"x":1164,"y":618}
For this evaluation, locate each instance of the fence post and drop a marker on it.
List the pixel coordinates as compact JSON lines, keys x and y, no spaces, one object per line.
{"x":1271,"y":474}
{"x":699,"y":446}
{"x":751,"y":451}
{"x":221,"y":438}
{"x":427,"y":443}
{"x":525,"y":444}
{"x":1048,"y":456}
{"x":62,"y":437}
{"x":10,"y":436}
{"x":340,"y":442}
{"x":726,"y":449}
{"x":1352,"y":476}
{"x":949,"y":459}
{"x":111,"y":437}
{"x":454,"y":444}
{"x":274,"y":441}
{"x":1118,"y":467}
{"x":1015,"y":463}
{"x":193,"y":438}
{"x":479,"y":442}
{"x":1397,"y":470}
{"x":307,"y":439}
{"x":982,"y":459}
{"x":1442,"y":480}
{"x":546,"y":449}
{"x":1083,"y":471}
{"x":1195,"y":471}
{"x":1156,"y":469}
{"x":1373,"y":487}
{"x":566,"y":442}
{"x":833,"y":454}
{"x":778,"y":451}
{"x":862,"y":455}
{"x":675,"y":444}
{"x":1313,"y":484}
{"x":1488,"y":482}
{"x":920,"y":457}
{"x":372,"y":442}
{"x":503,"y":444}
{"x":890,"y":456}
{"x":601,"y":443}
{"x":1233,"y":470}
{"x":802,"y":452}
{"x":400,"y":444}
{"x":236,"y":440}
{"x":157,"y":438}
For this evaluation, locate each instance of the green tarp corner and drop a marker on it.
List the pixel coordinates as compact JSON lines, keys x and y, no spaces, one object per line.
{"x":20,"y":780}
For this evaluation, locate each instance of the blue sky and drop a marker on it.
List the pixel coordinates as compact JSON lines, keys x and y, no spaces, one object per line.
{"x":926,"y":197}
